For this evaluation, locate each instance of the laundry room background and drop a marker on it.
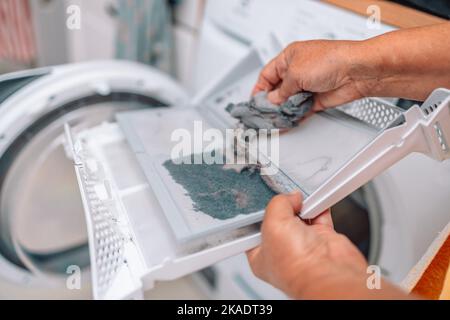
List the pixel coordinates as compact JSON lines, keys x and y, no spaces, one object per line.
{"x":34,"y":33}
{"x":195,"y":43}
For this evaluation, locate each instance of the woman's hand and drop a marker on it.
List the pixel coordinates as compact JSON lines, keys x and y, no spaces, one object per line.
{"x":311,"y":261}
{"x":408,"y":63}
{"x":322,"y":67}
{"x":296,"y":257}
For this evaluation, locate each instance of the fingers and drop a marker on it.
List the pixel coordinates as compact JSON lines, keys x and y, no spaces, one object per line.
{"x":277,"y":78}
{"x":268,"y":78}
{"x":271,"y":75}
{"x":324,"y":219}
{"x":288,"y":87}
{"x":281,"y":210}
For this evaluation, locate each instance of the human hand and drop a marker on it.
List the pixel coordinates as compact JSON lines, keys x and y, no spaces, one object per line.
{"x":329,"y":69}
{"x":296,"y":257}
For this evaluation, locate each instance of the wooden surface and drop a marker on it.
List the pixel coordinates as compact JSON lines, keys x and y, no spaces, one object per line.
{"x":391,"y":13}
{"x":430,"y":276}
{"x":445,"y":294}
{"x":431,"y":284}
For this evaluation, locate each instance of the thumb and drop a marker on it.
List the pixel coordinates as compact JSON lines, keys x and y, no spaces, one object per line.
{"x":283,"y":207}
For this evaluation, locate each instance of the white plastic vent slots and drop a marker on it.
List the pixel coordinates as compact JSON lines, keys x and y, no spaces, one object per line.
{"x":109,"y":241}
{"x":424,"y":129}
{"x":373,"y":111}
{"x":429,"y":109}
{"x":441,"y":137}
{"x":110,"y":235}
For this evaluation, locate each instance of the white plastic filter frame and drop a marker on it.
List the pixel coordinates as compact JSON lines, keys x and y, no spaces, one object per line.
{"x":118,"y":268}
{"x":373,"y":112}
{"x":209,"y":105}
{"x":110,"y":241}
{"x":424,"y":129}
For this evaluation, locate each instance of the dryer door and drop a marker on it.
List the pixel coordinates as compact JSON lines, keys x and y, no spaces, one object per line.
{"x":131,"y":242}
{"x":43,"y":230}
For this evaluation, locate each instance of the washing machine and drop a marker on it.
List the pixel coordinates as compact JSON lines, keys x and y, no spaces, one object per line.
{"x":43,"y":230}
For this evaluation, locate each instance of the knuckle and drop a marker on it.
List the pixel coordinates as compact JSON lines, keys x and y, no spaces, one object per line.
{"x":263,"y":76}
{"x":291,"y":76}
{"x":292,"y":47}
{"x":281,"y":68}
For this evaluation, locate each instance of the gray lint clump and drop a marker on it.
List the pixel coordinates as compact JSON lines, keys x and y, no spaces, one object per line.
{"x":260,"y":113}
{"x":224,"y":194}
{"x":219,"y":193}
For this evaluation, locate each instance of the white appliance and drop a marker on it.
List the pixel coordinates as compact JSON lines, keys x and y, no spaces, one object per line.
{"x":38,"y":185}
{"x":396,"y":221}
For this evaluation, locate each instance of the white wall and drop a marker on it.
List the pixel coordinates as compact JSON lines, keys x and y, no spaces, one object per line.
{"x":96,"y":38}
{"x":50,"y":32}
{"x":188,"y":20}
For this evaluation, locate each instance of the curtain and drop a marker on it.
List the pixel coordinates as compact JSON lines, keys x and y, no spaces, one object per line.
{"x":17,"y":43}
{"x":145,"y":33}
